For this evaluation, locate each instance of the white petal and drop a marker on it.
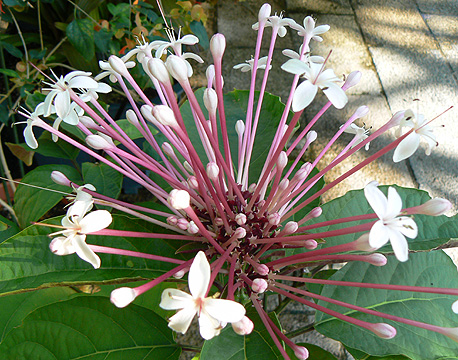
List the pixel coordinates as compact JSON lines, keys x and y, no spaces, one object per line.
{"x":379,"y":235}
{"x":291,"y":54}
{"x":304,"y":95}
{"x":282,"y":31}
{"x":224,"y":310}
{"x":406,"y":147}
{"x":295,"y":66}
{"x":182,"y":319}
{"x":199,"y":276}
{"x":29,"y":137}
{"x":71,"y":118}
{"x":62,"y":103}
{"x":95,"y":221}
{"x":48,"y":109}
{"x":407,"y":226}
{"x":376,"y":199}
{"x":103,"y":88}
{"x":208,"y":326}
{"x":189,"y":40}
{"x":336,"y":95}
{"x":399,"y":245}
{"x":84,"y":251}
{"x":83,"y":82}
{"x":174,"y":299}
{"x":394,"y":204}
{"x":193,"y":56}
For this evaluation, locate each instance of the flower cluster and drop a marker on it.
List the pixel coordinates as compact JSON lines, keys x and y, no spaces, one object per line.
{"x":238,"y":227}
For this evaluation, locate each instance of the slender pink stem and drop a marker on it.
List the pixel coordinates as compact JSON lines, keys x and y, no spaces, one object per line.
{"x":110,"y":250}
{"x":138,"y":234}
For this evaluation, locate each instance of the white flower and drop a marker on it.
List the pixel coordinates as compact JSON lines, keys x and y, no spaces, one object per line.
{"x":310,"y":30}
{"x":277,"y":22}
{"x":175,"y":44}
{"x":307,"y":59}
{"x":248,"y":65}
{"x":77,"y":224}
{"x":33,"y":119}
{"x":212,"y":313}
{"x":410,"y":144}
{"x":109,"y":71}
{"x":59,"y":94}
{"x":391,"y":227}
{"x":315,"y":78}
{"x":361,"y":134}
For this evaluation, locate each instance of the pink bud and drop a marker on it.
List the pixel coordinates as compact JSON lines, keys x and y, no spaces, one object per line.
{"x":240,"y":233}
{"x":316,"y":212}
{"x":88,"y":122}
{"x":182,"y":224}
{"x":383,"y":330}
{"x":219,"y":221}
{"x":177,"y":68}
{"x":192,"y":228}
{"x":192,"y":182}
{"x":239,"y":127}
{"x":361,"y":111}
{"x":252,"y":188}
{"x":311,"y":136}
{"x":274,"y":219}
{"x":158,"y":70}
{"x":123,"y":296}
{"x":188,"y":167}
{"x":282,"y":160}
{"x":212,"y":170}
{"x":262,"y":269}
{"x":172,"y":220}
{"x":165,"y":115}
{"x":167,"y":149}
{"x":310,"y":244}
{"x":240,"y":219}
{"x":259,"y":285}
{"x":179,"y":199}
{"x":100,"y":142}
{"x":179,"y":274}
{"x":434,"y":207}
{"x":301,"y":352}
{"x":118,"y":65}
{"x":217,"y":46}
{"x":60,"y":178}
{"x":243,"y":327}
{"x":377,"y":259}
{"x":290,"y":228}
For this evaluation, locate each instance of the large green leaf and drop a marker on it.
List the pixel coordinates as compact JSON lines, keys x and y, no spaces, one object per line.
{"x":80,"y":32}
{"x":235,"y":105}
{"x":89,"y":327}
{"x":432,"y":230}
{"x":423,"y":269}
{"x":30,"y":203}
{"x":27,"y":263}
{"x":106,"y":180}
{"x":229,"y":345}
{"x":59,"y":149}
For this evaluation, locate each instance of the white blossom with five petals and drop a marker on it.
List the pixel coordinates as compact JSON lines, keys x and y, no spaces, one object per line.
{"x":391,"y":227}
{"x":213,"y":313}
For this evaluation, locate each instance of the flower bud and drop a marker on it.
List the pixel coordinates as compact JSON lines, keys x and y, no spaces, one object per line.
{"x":147,"y":112}
{"x":212,"y":170}
{"x":282,"y":160}
{"x":210,"y":100}
{"x":59,"y":246}
{"x":188,"y":167}
{"x":123,"y":296}
{"x":252,"y":188}
{"x":452,"y":333}
{"x":362,"y":243}
{"x":274,"y":219}
{"x":183,"y":224}
{"x":192,"y":228}
{"x":165,"y":115}
{"x":264,"y":12}
{"x":262,"y":269}
{"x":172,"y":220}
{"x":434,"y":207}
{"x":383,"y":330}
{"x":167,"y":149}
{"x":310,"y":244}
{"x":240,"y":127}
{"x":179,"y":274}
{"x":352,"y":79}
{"x":179,"y":199}
{"x":100,"y":142}
{"x":158,"y":70}
{"x":311,"y":136}
{"x":217,"y":46}
{"x":132,"y":118}
{"x":259,"y":285}
{"x":301,"y":352}
{"x":60,"y":178}
{"x":88,"y":122}
{"x":240,"y":233}
{"x":290,"y":228}
{"x":316,"y":212}
{"x":192,"y":182}
{"x":284,"y":183}
{"x":177,"y":68}
{"x":118,"y":65}
{"x":219,"y":221}
{"x":240,"y":219}
{"x":377,"y":259}
{"x":361,"y":111}
{"x":243,"y":327}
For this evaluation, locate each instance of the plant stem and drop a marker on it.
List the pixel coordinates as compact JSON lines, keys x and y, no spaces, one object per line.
{"x":300,"y":331}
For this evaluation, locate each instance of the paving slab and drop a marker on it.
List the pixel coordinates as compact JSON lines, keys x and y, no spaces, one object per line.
{"x":314,"y":7}
{"x":441,"y":7}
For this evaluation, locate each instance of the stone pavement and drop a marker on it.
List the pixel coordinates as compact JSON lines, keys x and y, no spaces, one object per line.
{"x":407,"y":50}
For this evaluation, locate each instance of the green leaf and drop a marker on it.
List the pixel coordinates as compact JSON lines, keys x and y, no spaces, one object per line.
{"x":317,"y":353}
{"x":229,"y":345}
{"x":431,"y":269}
{"x":9,"y":72}
{"x":8,"y":228}
{"x":131,"y":131}
{"x":60,"y":149}
{"x":235,"y":104}
{"x":432,"y":230}
{"x":102,"y":39}
{"x":80,"y":33}
{"x":30,"y":203}
{"x":199,"y":30}
{"x":33,"y":99}
{"x":27,"y":263}
{"x":106,"y":180}
{"x":4,"y":113}
{"x":38,"y":54}
{"x":14,"y":51}
{"x":89,"y":327}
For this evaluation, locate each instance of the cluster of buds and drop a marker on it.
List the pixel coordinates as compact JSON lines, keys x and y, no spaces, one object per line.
{"x":237,"y":224}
